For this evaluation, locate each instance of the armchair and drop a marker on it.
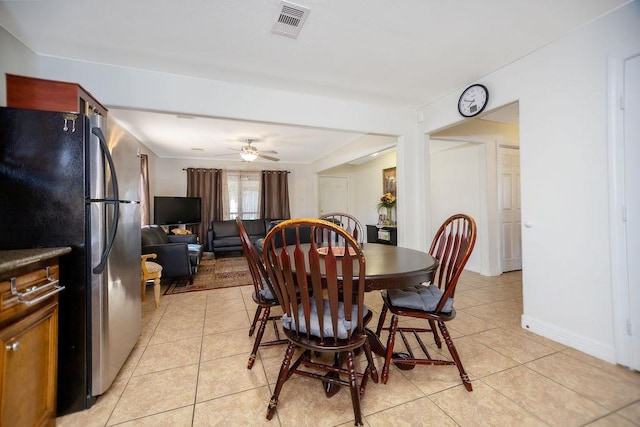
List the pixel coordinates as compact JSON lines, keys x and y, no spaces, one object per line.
{"x":179,"y":255}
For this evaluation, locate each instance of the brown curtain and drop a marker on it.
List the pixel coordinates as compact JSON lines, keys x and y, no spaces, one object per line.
{"x":145,"y":203}
{"x":274,"y":196}
{"x":206,"y":184}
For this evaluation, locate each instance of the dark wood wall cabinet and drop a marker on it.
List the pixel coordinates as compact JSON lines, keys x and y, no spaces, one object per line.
{"x":29,"y":336}
{"x":50,"y":95}
{"x":385,"y":235}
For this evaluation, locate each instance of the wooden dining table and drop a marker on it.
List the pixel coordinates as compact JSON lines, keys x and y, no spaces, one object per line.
{"x":393,"y":267}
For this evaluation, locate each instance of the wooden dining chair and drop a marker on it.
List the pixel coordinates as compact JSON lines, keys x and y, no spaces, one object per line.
{"x":348,"y":222}
{"x":263,"y":295}
{"x":150,"y":271}
{"x":451,"y":246}
{"x":321,"y":290}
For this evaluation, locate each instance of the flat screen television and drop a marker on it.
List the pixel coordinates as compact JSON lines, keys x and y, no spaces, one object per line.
{"x":176,"y":210}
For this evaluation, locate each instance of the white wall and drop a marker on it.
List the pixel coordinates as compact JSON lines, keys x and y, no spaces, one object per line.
{"x":562,"y":90}
{"x":155,"y":91}
{"x":365,"y":186}
{"x":15,"y":58}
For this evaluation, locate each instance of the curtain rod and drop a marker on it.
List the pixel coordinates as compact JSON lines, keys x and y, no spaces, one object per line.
{"x":184,"y":169}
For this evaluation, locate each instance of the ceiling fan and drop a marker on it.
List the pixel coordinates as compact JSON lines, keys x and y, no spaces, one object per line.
{"x":249,"y":153}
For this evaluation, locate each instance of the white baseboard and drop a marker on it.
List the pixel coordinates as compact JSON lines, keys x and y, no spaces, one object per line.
{"x":586,"y":345}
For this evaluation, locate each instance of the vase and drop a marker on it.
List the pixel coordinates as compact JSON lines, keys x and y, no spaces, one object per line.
{"x":389,"y":213}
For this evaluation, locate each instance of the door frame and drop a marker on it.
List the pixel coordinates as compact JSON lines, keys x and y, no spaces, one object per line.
{"x":623,"y":340}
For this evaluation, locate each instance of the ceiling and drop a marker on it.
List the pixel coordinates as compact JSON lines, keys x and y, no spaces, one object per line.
{"x":409,"y":53}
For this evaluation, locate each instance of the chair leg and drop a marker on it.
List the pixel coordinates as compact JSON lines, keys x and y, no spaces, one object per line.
{"x":282,"y":377}
{"x":143,"y":286}
{"x":255,"y":320}
{"x":256,"y":344}
{"x":381,"y":319}
{"x":371,"y":363}
{"x":393,"y":326}
{"x":156,"y":291}
{"x":436,"y":337}
{"x":454,"y":354}
{"x":355,"y":390}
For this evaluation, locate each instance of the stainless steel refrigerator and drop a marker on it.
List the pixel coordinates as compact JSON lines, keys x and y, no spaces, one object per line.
{"x":73,"y":180}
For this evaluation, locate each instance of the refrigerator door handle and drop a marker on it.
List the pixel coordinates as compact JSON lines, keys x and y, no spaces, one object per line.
{"x":115,"y":201}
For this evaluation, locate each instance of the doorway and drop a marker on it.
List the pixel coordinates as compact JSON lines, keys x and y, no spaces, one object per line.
{"x":510,"y":210}
{"x":483,"y":160}
{"x":333,"y":194}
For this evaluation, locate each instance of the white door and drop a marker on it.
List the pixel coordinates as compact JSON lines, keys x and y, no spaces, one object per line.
{"x":510,"y":231}
{"x":632,"y":199}
{"x":333,"y":194}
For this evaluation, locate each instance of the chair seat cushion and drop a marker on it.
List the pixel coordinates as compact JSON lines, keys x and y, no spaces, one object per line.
{"x":345,"y":328}
{"x":425,"y":298}
{"x":152,"y":267}
{"x":265,"y":292}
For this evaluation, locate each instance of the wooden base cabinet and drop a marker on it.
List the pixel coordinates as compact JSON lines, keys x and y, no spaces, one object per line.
{"x":29,"y":369}
{"x":29,"y":344}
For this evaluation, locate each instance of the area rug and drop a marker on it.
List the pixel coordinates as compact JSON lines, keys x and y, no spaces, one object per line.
{"x":214,"y":274}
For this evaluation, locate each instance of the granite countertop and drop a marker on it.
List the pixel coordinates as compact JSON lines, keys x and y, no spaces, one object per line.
{"x":16,"y":258}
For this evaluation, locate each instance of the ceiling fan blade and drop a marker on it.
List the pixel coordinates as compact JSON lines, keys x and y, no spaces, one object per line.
{"x":269,"y":151}
{"x":264,"y":156}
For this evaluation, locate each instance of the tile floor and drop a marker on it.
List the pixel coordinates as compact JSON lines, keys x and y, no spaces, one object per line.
{"x":189,"y":369}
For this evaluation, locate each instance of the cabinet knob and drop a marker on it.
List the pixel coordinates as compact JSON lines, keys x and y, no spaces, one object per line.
{"x":13,"y":346}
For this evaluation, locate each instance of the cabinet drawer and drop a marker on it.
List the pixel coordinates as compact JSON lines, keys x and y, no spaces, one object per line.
{"x":36,"y":283}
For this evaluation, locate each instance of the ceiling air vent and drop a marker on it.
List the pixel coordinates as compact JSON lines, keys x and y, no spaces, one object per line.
{"x":290,"y":19}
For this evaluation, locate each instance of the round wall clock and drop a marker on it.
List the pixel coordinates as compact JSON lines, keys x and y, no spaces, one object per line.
{"x":473,"y":100}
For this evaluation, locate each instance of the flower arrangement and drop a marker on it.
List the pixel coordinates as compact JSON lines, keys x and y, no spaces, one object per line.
{"x":387,"y":200}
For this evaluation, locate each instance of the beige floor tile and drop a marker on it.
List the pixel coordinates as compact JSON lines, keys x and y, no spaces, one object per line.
{"x":216,"y":322}
{"x":132,"y":361}
{"x":468,"y":324}
{"x":487,"y":332}
{"x":98,"y":414}
{"x":180,"y":417}
{"x":478,"y":359}
{"x":512,"y":345}
{"x":159,"y":357}
{"x":216,"y":296}
{"x":548,"y":400}
{"x":496,"y":315}
{"x":177,"y":328}
{"x":613,"y":389}
{"x":419,"y":412}
{"x":236,"y":342}
{"x":229,"y":306}
{"x":157,"y":392}
{"x":242,"y":409}
{"x":302,"y":403}
{"x":226,"y":376}
{"x":483,"y":406}
{"x":612,"y":420}
{"x":631,"y":412}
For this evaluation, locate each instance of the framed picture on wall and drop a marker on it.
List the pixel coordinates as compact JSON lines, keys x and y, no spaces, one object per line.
{"x":389,"y":181}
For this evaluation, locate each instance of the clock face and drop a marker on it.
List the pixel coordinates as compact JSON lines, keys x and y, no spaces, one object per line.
{"x":473,"y":100}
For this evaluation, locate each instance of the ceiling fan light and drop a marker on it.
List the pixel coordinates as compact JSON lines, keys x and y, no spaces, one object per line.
{"x":249,"y":157}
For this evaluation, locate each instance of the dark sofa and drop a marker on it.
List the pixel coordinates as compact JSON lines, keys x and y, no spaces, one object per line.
{"x":224,"y":236}
{"x":179,"y":255}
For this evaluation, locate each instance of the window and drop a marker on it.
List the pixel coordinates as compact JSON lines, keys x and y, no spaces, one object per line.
{"x":243,"y":189}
